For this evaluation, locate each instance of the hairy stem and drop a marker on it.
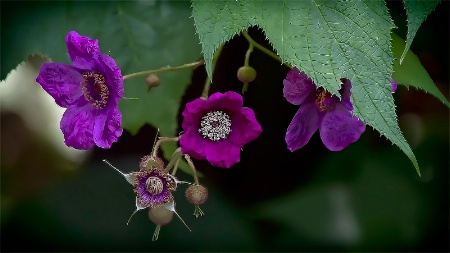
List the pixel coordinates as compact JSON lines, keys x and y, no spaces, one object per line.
{"x":161,"y":140}
{"x":164,"y":69}
{"x":191,"y":164}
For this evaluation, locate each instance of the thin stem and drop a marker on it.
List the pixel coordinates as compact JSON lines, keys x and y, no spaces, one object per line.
{"x":208,"y":79}
{"x":263,"y":49}
{"x":247,"y":54}
{"x":164,"y":69}
{"x":175,"y":168}
{"x":191,"y":164}
{"x":161,"y":140}
{"x":172,"y":162}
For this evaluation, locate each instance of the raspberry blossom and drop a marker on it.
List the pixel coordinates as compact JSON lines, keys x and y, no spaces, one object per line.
{"x":217,"y":128}
{"x":320,"y":110}
{"x":152,"y":185}
{"x":90,"y":89}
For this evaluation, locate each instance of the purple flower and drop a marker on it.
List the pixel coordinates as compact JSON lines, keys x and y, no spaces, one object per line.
{"x":320,"y":110}
{"x":393,"y":85}
{"x":153,"y":187}
{"x":216,"y":129}
{"x":90,"y":89}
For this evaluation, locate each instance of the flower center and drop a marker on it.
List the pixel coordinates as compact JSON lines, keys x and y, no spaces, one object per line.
{"x":154,"y":185}
{"x":215,"y":125}
{"x":94,"y":89}
{"x":321,"y":98}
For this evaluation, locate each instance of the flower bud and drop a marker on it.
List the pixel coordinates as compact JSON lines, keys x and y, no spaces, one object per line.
{"x":196,"y":194}
{"x":160,"y":215}
{"x":246,"y":74}
{"x":152,"y":80}
{"x":148,"y":161}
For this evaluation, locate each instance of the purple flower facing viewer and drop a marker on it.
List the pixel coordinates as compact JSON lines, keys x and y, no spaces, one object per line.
{"x":90,"y":89}
{"x":217,"y":128}
{"x":320,"y":110}
{"x":153,"y":187}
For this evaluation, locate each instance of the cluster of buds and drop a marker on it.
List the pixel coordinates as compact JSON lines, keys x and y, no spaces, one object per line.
{"x":153,"y":185}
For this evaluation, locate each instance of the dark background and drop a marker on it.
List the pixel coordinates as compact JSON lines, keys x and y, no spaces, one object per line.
{"x":365,"y":198}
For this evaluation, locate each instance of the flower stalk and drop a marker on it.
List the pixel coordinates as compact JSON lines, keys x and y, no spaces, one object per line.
{"x":161,"y":140}
{"x":263,"y":49}
{"x":246,"y":63}
{"x":191,"y":164}
{"x":164,"y":69}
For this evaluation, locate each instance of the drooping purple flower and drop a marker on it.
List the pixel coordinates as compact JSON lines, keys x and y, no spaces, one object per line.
{"x":90,"y":89}
{"x":217,"y":128}
{"x":319,"y":109}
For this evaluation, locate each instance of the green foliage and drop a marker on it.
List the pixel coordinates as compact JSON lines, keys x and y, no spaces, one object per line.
{"x":417,"y":11}
{"x":138,"y":35}
{"x":411,"y":72}
{"x":328,"y":40}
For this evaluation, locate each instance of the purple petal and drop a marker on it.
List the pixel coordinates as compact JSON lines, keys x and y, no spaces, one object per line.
{"x":192,"y":143}
{"x":302,"y":127}
{"x":77,"y":125}
{"x":393,"y":85}
{"x":107,"y":127}
{"x":192,"y":114}
{"x":112,"y":74}
{"x":229,"y":102}
{"x":61,"y":81}
{"x":81,"y":50}
{"x":245,"y":128}
{"x":340,"y":128}
{"x":298,"y":88}
{"x":346,"y":93}
{"x":222,"y":153}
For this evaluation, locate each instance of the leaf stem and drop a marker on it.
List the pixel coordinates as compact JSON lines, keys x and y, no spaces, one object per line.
{"x":164,"y":69}
{"x":208,"y":79}
{"x":263,"y":49}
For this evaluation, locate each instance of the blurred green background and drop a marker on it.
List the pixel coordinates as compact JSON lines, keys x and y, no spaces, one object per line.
{"x":365,"y":198}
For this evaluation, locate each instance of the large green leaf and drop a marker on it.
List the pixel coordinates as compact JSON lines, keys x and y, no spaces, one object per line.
{"x":218,"y":21}
{"x":139,"y":35}
{"x":328,"y":40}
{"x":411,"y":72}
{"x":417,"y":11}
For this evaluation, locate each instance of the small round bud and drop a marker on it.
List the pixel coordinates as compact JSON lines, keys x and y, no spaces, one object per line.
{"x":147,"y":162}
{"x":246,"y":74}
{"x":197,"y":194}
{"x":152,"y":80}
{"x":160,"y":215}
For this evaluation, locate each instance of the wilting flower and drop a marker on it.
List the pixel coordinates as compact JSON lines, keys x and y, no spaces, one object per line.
{"x":320,"y":110}
{"x":152,"y":185}
{"x":90,"y":89}
{"x":217,"y":128}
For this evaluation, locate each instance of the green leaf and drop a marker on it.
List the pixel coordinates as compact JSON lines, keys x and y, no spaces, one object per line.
{"x":139,"y":35}
{"x":328,"y":40}
{"x":417,"y":11}
{"x":411,"y":72}
{"x":218,"y":21}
